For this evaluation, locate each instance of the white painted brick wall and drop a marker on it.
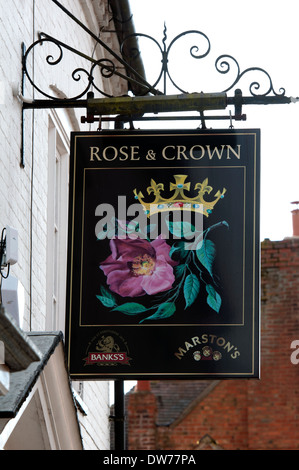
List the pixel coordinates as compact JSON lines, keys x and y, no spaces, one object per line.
{"x":23,"y":191}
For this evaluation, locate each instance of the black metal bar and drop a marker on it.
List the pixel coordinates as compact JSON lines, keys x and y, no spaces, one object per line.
{"x":22,"y":146}
{"x":119,"y":415}
{"x":260,"y":99}
{"x":52,"y":104}
{"x":85,"y":120}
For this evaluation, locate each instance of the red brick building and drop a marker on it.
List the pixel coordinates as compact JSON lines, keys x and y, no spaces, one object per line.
{"x":234,"y":414}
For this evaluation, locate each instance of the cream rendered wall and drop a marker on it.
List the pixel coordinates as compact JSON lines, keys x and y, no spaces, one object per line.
{"x":24,"y":191}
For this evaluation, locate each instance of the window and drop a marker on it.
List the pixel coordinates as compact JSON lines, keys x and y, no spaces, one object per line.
{"x":58,"y":192}
{"x":58,"y":183}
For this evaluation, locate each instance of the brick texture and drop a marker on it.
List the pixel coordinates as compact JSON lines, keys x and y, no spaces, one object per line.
{"x":239,"y":414}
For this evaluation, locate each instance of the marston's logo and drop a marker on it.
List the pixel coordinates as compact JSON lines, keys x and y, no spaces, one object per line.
{"x":107,"y":351}
{"x":207,"y":347}
{"x":207,"y":354}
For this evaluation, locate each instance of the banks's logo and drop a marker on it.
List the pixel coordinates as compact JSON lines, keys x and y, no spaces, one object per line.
{"x":107,"y":348}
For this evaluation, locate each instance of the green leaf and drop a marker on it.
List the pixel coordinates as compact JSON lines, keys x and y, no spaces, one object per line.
{"x":213,"y":299}
{"x":164,"y":311}
{"x":191,"y":289}
{"x":206,"y":252}
{"x":106,"y":301}
{"x":219,"y":224}
{"x":179,"y":270}
{"x":181,"y":229}
{"x":130,"y":308}
{"x":179,"y":248}
{"x":106,"y":293}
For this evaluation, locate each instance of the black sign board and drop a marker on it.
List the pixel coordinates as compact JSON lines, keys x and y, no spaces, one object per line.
{"x":163,"y":255}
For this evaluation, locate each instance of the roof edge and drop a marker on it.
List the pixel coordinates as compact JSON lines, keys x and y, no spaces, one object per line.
{"x":19,"y":350}
{"x":195,"y":402}
{"x":22,"y":381}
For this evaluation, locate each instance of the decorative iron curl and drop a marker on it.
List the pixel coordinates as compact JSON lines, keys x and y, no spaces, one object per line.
{"x":223,"y":66}
{"x":164,"y":51}
{"x":53,"y":61}
{"x":49,"y":59}
{"x":193,"y":51}
{"x":106,"y":68}
{"x":133,"y":52}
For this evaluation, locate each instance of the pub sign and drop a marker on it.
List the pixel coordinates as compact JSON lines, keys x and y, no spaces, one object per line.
{"x":163,"y":255}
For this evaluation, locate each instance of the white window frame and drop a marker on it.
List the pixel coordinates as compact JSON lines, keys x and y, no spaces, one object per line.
{"x":57,"y":223}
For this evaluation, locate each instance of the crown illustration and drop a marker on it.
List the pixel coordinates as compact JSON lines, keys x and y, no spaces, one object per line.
{"x":179,"y":200}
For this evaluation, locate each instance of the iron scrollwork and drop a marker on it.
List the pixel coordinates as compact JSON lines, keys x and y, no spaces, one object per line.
{"x":164,"y":73}
{"x":107,"y":67}
{"x":223,"y":64}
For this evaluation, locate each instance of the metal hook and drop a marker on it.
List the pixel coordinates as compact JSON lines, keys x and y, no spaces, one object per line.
{"x":100,"y":123}
{"x":202,"y":118}
{"x":230,"y":120}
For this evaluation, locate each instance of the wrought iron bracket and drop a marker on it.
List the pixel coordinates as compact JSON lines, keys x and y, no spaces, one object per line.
{"x":147,"y":99}
{"x":126,"y":65}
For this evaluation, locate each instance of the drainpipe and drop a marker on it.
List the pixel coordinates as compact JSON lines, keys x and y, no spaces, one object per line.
{"x":295,"y":216}
{"x":124,"y":25}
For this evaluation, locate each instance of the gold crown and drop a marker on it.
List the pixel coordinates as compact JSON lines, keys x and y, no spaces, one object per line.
{"x":179,"y":200}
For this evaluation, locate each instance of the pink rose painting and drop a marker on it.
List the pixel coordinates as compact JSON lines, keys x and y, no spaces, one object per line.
{"x":138,"y":267}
